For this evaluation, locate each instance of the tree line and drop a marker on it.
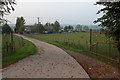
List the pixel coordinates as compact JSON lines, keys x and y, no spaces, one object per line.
{"x":49,"y":27}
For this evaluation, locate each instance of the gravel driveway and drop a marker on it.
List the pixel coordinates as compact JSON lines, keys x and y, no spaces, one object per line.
{"x":49,"y":62}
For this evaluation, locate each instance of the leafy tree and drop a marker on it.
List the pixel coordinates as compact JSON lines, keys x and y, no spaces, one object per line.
{"x":49,"y":27}
{"x":17,"y":25}
{"x":20,"y":25}
{"x":6,"y":29}
{"x":78,"y":28}
{"x":86,"y":28}
{"x":68,"y":28}
{"x":56,"y":26}
{"x":5,"y":7}
{"x":51,"y":24}
{"x":38,"y":28}
{"x":21,"y":29}
{"x":33,"y":28}
{"x":110,"y":21}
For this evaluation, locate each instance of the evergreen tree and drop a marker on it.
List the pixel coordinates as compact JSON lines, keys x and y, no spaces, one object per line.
{"x":56,"y":26}
{"x":6,"y":29}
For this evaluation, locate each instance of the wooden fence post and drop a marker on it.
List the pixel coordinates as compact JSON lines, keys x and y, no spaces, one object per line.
{"x":90,"y":39}
{"x":109,"y":49}
{"x":96,"y":47}
{"x":7,"y":47}
{"x":22,"y":41}
{"x":79,"y":43}
{"x":10,"y":47}
{"x":11,"y":42}
{"x":13,"y":46}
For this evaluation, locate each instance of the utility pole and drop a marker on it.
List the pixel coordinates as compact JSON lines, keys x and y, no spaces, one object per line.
{"x":6,"y":21}
{"x":38,"y":20}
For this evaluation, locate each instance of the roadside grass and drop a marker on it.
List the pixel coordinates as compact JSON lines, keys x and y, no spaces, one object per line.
{"x":69,"y":47}
{"x":28,"y":49}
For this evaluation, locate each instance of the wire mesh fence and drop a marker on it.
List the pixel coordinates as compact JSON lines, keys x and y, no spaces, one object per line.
{"x":95,"y":42}
{"x":11,"y":43}
{"x":103,"y":46}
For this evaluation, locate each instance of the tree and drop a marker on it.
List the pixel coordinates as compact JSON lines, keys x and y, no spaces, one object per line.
{"x":49,"y":27}
{"x":5,"y":7}
{"x":110,"y":21}
{"x":38,"y":28}
{"x":33,"y":28}
{"x":56,"y":26}
{"x":78,"y":28}
{"x":17,"y":25}
{"x":51,"y":24}
{"x":21,"y":29}
{"x":6,"y":29}
{"x":86,"y":28}
{"x":68,"y":28}
{"x":20,"y":25}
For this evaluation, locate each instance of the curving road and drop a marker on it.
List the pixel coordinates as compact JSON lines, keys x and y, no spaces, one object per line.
{"x":49,"y":62}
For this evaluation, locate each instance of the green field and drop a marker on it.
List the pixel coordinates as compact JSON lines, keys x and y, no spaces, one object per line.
{"x":81,"y":42}
{"x":23,"y":48}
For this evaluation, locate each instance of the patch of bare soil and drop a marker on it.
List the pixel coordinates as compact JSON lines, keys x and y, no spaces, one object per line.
{"x":95,"y":68}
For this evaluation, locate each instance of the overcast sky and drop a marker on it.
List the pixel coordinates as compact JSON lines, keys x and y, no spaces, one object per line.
{"x":66,"y":12}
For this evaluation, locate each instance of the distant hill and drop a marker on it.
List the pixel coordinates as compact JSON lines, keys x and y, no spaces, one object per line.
{"x":96,"y":27}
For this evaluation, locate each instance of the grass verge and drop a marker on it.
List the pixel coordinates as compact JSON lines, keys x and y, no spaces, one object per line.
{"x":27,"y":50}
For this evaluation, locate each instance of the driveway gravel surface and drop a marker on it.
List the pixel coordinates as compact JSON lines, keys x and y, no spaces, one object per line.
{"x":49,"y":62}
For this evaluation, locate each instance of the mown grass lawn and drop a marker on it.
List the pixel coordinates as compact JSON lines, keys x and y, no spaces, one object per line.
{"x":20,"y":53}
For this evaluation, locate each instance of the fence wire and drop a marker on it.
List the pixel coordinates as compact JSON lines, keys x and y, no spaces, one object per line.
{"x":103,"y":46}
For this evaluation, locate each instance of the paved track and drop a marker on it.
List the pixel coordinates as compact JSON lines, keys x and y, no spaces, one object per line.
{"x":49,"y":62}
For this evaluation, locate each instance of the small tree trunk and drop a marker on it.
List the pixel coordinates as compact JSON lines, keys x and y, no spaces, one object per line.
{"x":90,"y":39}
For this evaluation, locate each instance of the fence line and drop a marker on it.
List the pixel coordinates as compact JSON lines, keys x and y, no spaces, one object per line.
{"x":11,"y":43}
{"x":105,"y":49}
